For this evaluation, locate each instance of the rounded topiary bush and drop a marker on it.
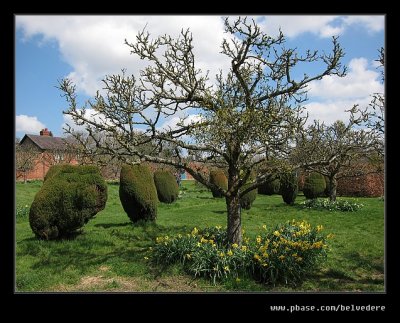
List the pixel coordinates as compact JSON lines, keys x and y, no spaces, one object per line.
{"x":55,"y":169}
{"x":217,"y":177}
{"x":247,"y":200}
{"x":314,"y":186}
{"x":289,"y":187}
{"x":270,"y":188}
{"x":166,"y":185}
{"x":138,"y":193}
{"x":68,"y":199}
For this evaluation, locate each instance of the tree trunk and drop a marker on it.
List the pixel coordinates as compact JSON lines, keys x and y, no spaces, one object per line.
{"x":25,"y":177}
{"x":234,"y":219}
{"x":233,"y":206}
{"x":332,"y":188}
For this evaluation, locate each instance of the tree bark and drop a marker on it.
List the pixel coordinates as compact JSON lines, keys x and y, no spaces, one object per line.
{"x":332,"y":188}
{"x":233,"y":205}
{"x":234,"y":219}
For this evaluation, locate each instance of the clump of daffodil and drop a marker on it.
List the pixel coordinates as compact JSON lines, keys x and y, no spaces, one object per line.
{"x":284,"y":254}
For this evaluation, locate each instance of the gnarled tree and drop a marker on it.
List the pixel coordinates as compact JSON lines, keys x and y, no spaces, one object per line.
{"x":232,"y":121}
{"x":348,"y":147}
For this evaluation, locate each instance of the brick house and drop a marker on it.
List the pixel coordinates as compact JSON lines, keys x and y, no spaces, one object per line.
{"x":45,"y":150}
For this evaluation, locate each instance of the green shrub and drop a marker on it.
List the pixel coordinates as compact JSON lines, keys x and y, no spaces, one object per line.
{"x":270,"y":188}
{"x":138,"y":193}
{"x":166,"y":185}
{"x":247,"y":200}
{"x":338,"y":205}
{"x":289,"y":187}
{"x":55,"y":169}
{"x":314,"y":186}
{"x":68,"y":199}
{"x":284,"y":254}
{"x":217,"y":177}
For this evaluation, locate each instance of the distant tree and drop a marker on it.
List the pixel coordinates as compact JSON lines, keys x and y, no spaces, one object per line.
{"x":344,"y":145}
{"x":252,"y":109}
{"x":26,"y":157}
{"x":377,"y":105}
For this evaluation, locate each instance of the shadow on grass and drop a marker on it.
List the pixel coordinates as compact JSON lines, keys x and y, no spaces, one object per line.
{"x":113,"y":225}
{"x":219,"y":212}
{"x":123,"y":245}
{"x":366,"y":262}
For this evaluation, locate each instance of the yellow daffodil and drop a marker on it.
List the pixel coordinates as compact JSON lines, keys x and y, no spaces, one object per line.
{"x":244,"y":248}
{"x":277,"y":233}
{"x":221,"y":254}
{"x":235,"y":245}
{"x":226,"y":268}
{"x":258,"y":239}
{"x":264,"y":227}
{"x":229,"y":253}
{"x":195,"y":231}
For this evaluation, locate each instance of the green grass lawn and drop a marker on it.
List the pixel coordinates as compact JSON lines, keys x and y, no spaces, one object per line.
{"x":109,"y":254}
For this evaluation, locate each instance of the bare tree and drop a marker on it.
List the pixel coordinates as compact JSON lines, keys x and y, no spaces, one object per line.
{"x":249,"y":111}
{"x":377,"y":104}
{"x":348,"y":147}
{"x":26,"y":157}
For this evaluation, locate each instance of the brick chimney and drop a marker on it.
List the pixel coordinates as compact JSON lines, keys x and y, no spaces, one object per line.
{"x":46,"y":132}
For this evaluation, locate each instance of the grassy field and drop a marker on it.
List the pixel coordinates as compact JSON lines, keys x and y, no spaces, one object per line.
{"x":109,"y":254}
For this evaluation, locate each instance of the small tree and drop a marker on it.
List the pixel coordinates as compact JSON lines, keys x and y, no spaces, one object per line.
{"x":26,"y":157}
{"x":244,"y":114}
{"x":343,"y":144}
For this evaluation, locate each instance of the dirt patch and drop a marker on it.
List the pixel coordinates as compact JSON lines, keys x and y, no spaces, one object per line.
{"x":100,"y":283}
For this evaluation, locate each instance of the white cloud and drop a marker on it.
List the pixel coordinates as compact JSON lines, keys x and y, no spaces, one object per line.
{"x":359,"y":83}
{"x":293,"y":26}
{"x":27,"y":124}
{"x":331,"y":110}
{"x":90,"y":114}
{"x":332,"y":96}
{"x":171,"y":123}
{"x":371,"y":23}
{"x":323,"y":26}
{"x":94,"y":45}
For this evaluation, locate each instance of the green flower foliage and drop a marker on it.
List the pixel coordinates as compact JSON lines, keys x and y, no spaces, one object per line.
{"x":338,"y":205}
{"x":68,"y":199}
{"x":138,"y":193}
{"x":284,"y":254}
{"x":166,"y":185}
{"x":314,"y":186}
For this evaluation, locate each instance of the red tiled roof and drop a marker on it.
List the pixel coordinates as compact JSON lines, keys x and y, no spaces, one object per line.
{"x":47,"y":142}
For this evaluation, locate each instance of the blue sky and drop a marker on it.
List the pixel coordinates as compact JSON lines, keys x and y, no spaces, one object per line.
{"x":85,"y":48}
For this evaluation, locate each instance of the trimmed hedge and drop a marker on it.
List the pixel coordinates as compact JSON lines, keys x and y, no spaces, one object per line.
{"x":166,"y":185}
{"x":138,"y":193}
{"x":217,"y":177}
{"x":289,"y":187}
{"x":247,"y":200}
{"x":270,"y":188}
{"x":68,"y":199}
{"x":314,"y":186}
